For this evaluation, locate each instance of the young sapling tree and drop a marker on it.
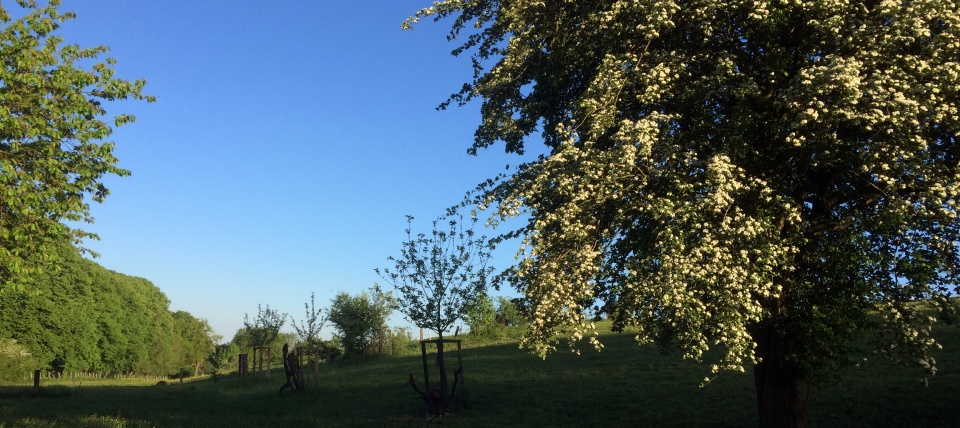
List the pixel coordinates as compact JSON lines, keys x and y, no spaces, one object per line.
{"x":438,"y":277}
{"x":308,"y":330}
{"x":265,"y":329}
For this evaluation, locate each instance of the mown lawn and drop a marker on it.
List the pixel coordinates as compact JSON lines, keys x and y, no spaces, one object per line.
{"x":625,"y":385}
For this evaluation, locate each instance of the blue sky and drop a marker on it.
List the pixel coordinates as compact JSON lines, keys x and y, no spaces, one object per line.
{"x":288,"y":142}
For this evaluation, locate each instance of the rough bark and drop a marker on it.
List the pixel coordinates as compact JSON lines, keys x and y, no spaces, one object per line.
{"x":438,"y":404}
{"x":780,"y":384}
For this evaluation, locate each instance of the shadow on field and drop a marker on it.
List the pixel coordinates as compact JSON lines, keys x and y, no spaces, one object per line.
{"x":624,"y":385}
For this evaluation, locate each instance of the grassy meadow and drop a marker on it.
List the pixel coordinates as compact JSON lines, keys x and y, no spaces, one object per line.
{"x":625,"y":385}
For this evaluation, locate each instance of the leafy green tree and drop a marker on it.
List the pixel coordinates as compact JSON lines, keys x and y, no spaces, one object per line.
{"x":195,"y":339}
{"x":439,"y":277}
{"x":264,"y":332}
{"x":509,"y":312}
{"x":52,"y":129}
{"x":85,"y":317}
{"x":222,"y":355}
{"x":481,"y":315}
{"x":56,"y":327}
{"x":284,"y":338}
{"x":402,"y":342}
{"x":496,"y":318}
{"x":15,"y":360}
{"x":769,"y":178}
{"x":160,"y":331}
{"x":265,"y":329}
{"x":359,"y":319}
{"x":241,"y":338}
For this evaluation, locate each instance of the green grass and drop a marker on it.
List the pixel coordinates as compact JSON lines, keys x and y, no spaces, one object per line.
{"x":625,"y":385}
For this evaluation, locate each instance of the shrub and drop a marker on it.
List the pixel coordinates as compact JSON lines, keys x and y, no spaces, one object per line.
{"x":15,"y":360}
{"x":480,"y":316}
{"x":402,"y":343}
{"x":360,"y":319}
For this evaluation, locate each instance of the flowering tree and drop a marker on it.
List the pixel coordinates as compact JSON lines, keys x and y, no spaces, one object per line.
{"x":52,"y":129}
{"x":772,"y":178}
{"x":439,"y":277}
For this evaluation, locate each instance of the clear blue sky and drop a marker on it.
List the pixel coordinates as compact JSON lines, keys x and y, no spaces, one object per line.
{"x":288,"y":142}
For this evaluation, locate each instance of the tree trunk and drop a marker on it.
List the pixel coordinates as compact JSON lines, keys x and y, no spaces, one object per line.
{"x":780,"y":384}
{"x":440,"y":365}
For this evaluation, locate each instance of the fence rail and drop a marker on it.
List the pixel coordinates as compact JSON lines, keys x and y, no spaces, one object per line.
{"x":54,"y":374}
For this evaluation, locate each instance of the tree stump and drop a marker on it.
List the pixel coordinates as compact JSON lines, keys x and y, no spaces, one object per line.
{"x":291,"y":367}
{"x":439,"y":402}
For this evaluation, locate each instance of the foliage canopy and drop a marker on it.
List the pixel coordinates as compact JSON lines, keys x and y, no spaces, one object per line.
{"x":439,"y":276}
{"x":360,"y":319}
{"x":52,"y":129}
{"x":758,"y":176}
{"x":87,"y":318}
{"x":308,"y":330}
{"x":264,"y":330}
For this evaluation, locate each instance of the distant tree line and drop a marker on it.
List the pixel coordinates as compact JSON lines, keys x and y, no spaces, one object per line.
{"x":494,"y":318}
{"x":83,"y":317}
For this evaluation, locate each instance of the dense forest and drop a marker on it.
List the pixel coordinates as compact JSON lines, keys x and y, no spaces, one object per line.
{"x":83,"y":317}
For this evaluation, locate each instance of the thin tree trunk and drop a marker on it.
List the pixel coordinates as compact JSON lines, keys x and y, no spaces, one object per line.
{"x":780,"y":384}
{"x":440,"y":365}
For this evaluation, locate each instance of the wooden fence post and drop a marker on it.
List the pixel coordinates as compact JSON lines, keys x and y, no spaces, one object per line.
{"x":426,"y":371}
{"x":242,"y":361}
{"x":258,"y":362}
{"x":36,"y":379}
{"x":316,"y":368}
{"x":269,"y":363}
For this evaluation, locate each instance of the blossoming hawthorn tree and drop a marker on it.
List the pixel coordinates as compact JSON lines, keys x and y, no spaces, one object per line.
{"x":52,"y":152}
{"x":771,"y":178}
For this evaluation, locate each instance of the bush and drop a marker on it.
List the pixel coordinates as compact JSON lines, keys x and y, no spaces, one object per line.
{"x":15,"y":360}
{"x":223,"y":356}
{"x":330,"y":350}
{"x":481,"y":316}
{"x":509,"y":312}
{"x":402,"y":343}
{"x":503,"y":320}
{"x":360,"y":319}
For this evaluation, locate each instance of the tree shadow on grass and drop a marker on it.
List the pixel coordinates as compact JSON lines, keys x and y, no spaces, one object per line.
{"x":630,"y":385}
{"x":624,"y":385}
